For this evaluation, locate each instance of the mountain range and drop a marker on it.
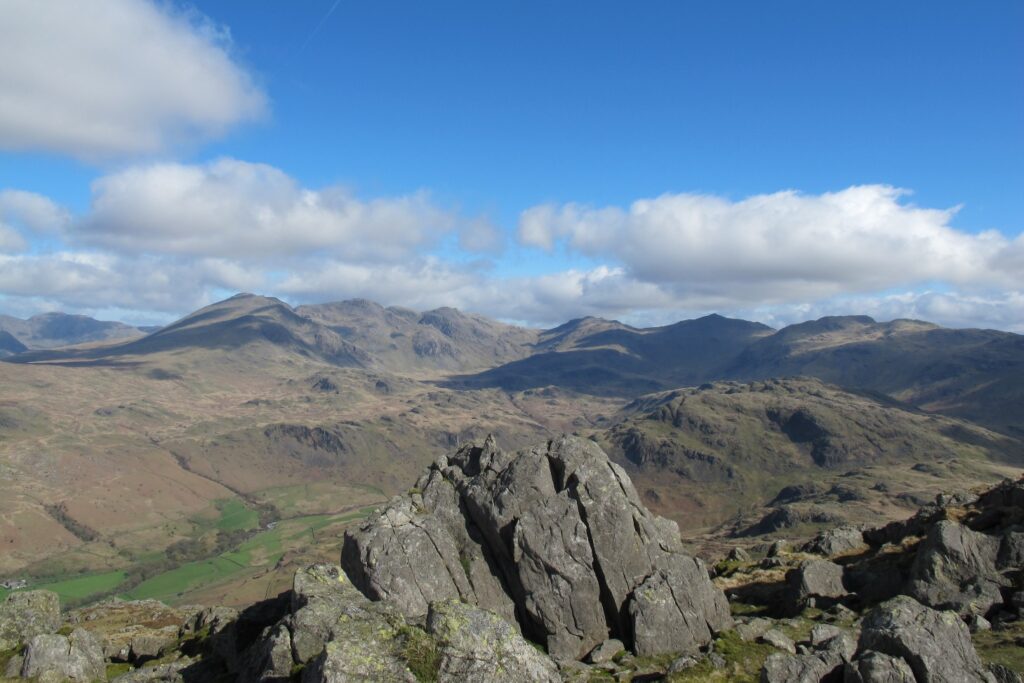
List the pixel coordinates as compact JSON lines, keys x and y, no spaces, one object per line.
{"x":969,"y":373}
{"x":122,"y":441}
{"x":51,"y":330}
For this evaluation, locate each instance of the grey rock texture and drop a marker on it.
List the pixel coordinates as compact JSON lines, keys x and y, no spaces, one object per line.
{"x":955,"y":568}
{"x":936,"y":645}
{"x":875,"y":667}
{"x":779,"y":640}
{"x":738,"y":555}
{"x":24,"y":614}
{"x":554,"y":538}
{"x":326,"y":608}
{"x":786,"y":668}
{"x":605,"y":651}
{"x":824,"y":663}
{"x":822,"y":633}
{"x":817,"y":580}
{"x":479,"y":647}
{"x":170,"y":672}
{"x":213,"y":620}
{"x":752,"y":629}
{"x":334,"y":633}
{"x":13,"y":668}
{"x":78,"y":657}
{"x":343,"y":662}
{"x":836,"y":541}
{"x":1004,"y":675}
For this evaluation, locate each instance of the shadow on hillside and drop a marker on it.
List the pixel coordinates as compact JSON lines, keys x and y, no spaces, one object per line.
{"x":600,"y":372}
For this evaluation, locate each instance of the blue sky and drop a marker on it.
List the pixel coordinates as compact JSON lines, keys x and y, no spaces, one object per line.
{"x":532,"y":161}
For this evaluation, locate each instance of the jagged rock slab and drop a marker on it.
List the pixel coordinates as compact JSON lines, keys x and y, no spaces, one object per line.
{"x":555,"y":537}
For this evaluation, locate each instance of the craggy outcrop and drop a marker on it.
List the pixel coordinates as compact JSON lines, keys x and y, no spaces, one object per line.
{"x":955,"y":568}
{"x":554,"y":537}
{"x":936,"y":645}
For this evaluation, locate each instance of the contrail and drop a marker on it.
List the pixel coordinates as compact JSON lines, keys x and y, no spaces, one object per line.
{"x":319,"y":25}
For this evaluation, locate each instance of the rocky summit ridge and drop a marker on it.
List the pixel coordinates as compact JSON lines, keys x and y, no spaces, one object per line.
{"x":543,"y":565}
{"x":554,"y":538}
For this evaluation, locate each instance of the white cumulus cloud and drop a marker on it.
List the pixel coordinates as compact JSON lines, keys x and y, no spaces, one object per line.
{"x":239,"y":210}
{"x":163,"y":239}
{"x":110,"y":78}
{"x":778,"y":247}
{"x":34,"y":211}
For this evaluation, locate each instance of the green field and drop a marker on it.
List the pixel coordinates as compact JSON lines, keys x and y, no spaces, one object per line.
{"x":78,"y":589}
{"x":264,"y":549}
{"x":234,"y":515}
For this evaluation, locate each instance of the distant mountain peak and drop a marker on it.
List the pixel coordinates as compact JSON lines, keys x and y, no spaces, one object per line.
{"x":9,"y":344}
{"x":54,"y":329}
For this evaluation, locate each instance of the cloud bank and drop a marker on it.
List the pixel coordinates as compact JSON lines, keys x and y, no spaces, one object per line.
{"x":776,"y":247}
{"x":110,"y":78}
{"x":162,"y":239}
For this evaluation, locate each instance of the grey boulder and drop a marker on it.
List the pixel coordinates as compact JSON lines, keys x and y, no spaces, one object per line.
{"x":875,"y":667}
{"x":820,"y":581}
{"x":936,"y":645}
{"x":786,"y":668}
{"x":955,"y":568}
{"x":53,"y":657}
{"x":836,"y":541}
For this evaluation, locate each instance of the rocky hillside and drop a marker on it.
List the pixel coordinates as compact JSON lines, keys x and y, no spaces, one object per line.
{"x":812,"y":452}
{"x":543,"y":565}
{"x":259,"y":326}
{"x":402,"y":340}
{"x":50,"y":330}
{"x":608,"y":358}
{"x":973,"y":374}
{"x":345,"y":334}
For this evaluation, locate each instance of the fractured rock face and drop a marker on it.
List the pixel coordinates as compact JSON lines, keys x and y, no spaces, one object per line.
{"x":554,"y":538}
{"x":955,"y":568}
{"x":936,"y":645}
